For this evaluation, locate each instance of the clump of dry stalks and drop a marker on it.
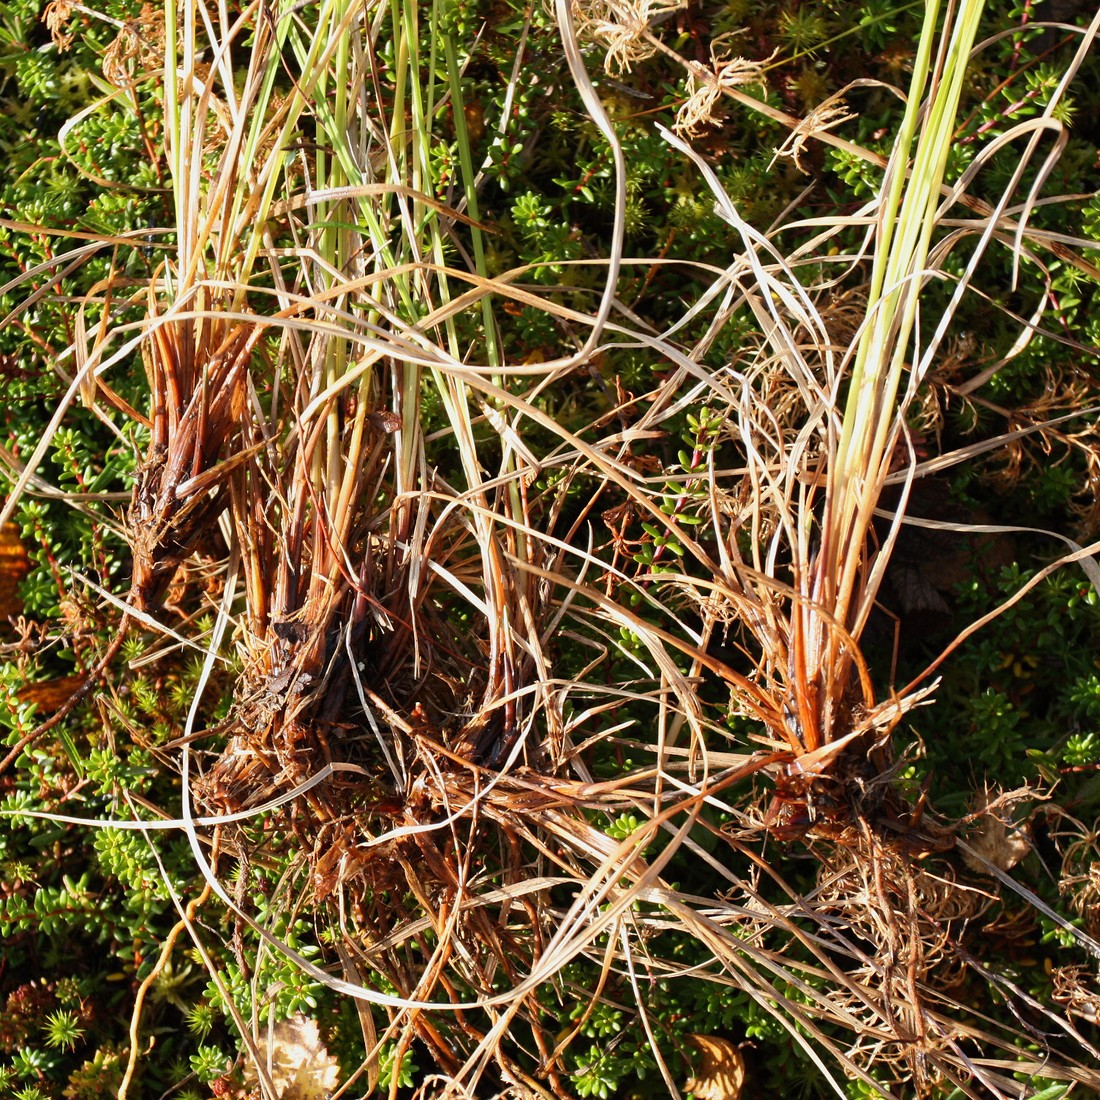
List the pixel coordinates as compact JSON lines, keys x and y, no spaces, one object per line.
{"x":400,"y":598}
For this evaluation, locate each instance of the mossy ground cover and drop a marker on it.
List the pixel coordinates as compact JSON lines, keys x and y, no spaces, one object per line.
{"x":401,"y":518}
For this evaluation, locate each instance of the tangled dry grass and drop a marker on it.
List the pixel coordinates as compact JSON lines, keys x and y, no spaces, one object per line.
{"x":425,"y":581}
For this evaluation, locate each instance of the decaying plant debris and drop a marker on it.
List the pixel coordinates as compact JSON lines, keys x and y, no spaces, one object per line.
{"x":414,"y":556}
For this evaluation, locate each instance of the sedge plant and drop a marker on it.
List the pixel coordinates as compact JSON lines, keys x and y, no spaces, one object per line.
{"x":500,"y":678}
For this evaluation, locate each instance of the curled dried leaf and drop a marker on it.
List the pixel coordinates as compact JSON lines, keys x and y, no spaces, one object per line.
{"x":298,"y":1062}
{"x":721,"y":1076}
{"x":15,"y":564}
{"x":996,"y":837}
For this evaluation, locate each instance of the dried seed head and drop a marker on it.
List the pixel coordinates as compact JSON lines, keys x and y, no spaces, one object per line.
{"x":1076,"y":988}
{"x":620,"y":26}
{"x":137,"y":50}
{"x":707,"y":85}
{"x":55,"y":17}
{"x":823,"y":117}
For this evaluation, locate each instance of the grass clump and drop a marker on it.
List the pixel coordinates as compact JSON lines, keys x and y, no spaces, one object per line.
{"x":495,"y":693}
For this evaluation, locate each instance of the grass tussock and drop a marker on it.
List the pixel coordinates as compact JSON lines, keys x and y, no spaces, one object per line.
{"x":463,"y":631}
